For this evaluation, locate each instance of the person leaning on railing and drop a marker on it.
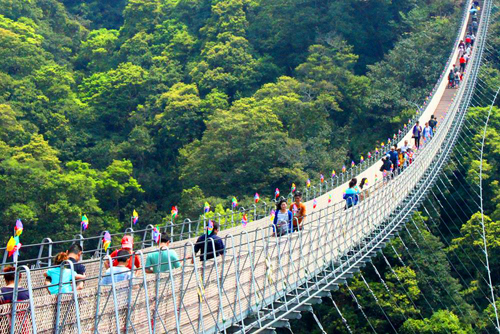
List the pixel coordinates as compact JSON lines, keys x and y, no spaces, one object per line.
{"x":156,"y":263}
{"x":7,"y":291}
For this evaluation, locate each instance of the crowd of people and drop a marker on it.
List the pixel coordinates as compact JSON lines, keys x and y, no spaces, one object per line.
{"x":60,"y":276}
{"x":455,"y":76}
{"x":393,"y":161}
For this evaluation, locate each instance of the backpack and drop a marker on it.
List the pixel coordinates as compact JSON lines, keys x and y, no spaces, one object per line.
{"x":283,"y":226}
{"x":432,"y":123}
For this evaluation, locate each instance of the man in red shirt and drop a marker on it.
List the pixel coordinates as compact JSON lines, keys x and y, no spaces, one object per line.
{"x":127,"y":245}
{"x":462,"y":64}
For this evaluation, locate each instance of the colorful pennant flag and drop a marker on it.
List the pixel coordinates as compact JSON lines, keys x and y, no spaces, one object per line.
{"x":207,"y":207}
{"x":382,"y":145}
{"x":276,"y":193}
{"x":13,"y":245}
{"x":333,"y":173}
{"x":376,"y":151}
{"x":156,"y":234}
{"x":293,"y":187}
{"x":174,"y":212}
{"x":315,"y":203}
{"x":135,"y":217}
{"x":234,"y":202}
{"x":308,"y":183}
{"x":295,"y":209}
{"x":85,"y":223}
{"x":256,"y":198}
{"x":18,"y":229}
{"x":329,"y":198}
{"x":388,"y":141}
{"x":352,"y":163}
{"x":106,"y":241}
{"x":271,"y":215}
{"x":361,"y":160}
{"x":210,"y":226}
{"x":343,"y":169}
{"x":369,"y":155}
{"x":244,"y":220}
{"x":322,"y":178}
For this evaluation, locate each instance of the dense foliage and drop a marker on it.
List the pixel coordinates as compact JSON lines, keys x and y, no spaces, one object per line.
{"x":107,"y":106}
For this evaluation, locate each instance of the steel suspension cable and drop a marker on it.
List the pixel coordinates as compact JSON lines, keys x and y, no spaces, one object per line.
{"x":376,"y":301}
{"x":402,"y":285}
{"x":389,"y":292}
{"x":485,"y":245}
{"x":434,"y":272}
{"x":344,"y":321}
{"x":360,"y":308}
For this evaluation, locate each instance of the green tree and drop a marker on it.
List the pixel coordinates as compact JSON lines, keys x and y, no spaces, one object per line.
{"x":241,"y":146}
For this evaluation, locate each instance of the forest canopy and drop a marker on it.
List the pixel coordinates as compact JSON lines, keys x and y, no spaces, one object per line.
{"x":110,"y":106}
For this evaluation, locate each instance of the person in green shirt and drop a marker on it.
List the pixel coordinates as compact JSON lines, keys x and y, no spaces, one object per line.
{"x":152,"y":259}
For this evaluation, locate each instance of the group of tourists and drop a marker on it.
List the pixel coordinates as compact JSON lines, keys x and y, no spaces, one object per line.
{"x":59,"y":278}
{"x":394,"y":161}
{"x":456,"y":74}
{"x":289,"y":218}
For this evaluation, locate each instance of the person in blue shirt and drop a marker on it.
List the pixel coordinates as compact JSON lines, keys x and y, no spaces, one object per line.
{"x":393,"y":156}
{"x":206,"y":248}
{"x":351,"y":195}
{"x":53,"y":276}
{"x":417,"y":133}
{"x":283,"y":218}
{"x":120,"y":272}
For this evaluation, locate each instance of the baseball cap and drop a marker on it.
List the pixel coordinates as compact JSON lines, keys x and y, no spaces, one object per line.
{"x":127,"y":242}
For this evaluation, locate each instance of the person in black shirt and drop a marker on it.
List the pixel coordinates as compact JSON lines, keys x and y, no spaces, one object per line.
{"x":75,"y":255}
{"x":7,"y":291}
{"x":204,"y":244}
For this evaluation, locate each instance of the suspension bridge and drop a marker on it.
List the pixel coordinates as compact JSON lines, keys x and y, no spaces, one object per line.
{"x":263,"y":280}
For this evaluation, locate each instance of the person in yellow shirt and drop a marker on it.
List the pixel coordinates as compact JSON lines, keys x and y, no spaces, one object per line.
{"x":299,"y":211}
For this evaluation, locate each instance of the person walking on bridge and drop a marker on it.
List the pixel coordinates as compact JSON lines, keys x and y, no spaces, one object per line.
{"x":7,"y":291}
{"x":351,"y":195}
{"x":432,"y":123}
{"x":427,"y":133}
{"x":56,"y":274}
{"x":121,"y":272}
{"x":394,"y":158}
{"x":156,"y":263}
{"x":206,"y":248}
{"x":75,"y":255}
{"x":462,"y":63}
{"x":127,"y":245}
{"x":283,"y":218}
{"x":451,"y":79}
{"x":299,"y":211}
{"x":417,"y":132}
